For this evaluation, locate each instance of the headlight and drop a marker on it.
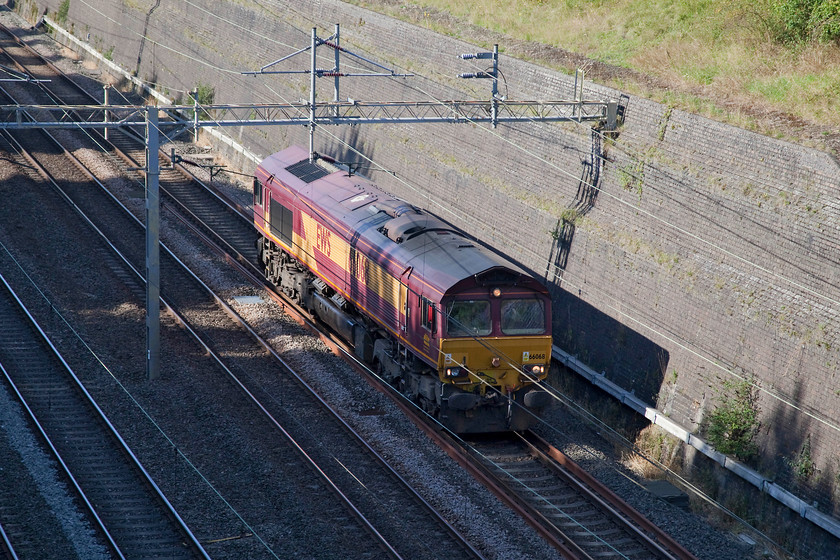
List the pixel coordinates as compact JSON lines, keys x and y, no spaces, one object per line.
{"x":453,"y":372}
{"x":536,"y":370}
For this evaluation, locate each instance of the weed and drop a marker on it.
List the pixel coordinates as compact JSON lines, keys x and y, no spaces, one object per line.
{"x":570,"y":215}
{"x":663,"y":124}
{"x":803,"y":465}
{"x":63,"y":10}
{"x":733,"y":425}
{"x":632,"y":177}
{"x":656,"y":450}
{"x":205,"y":94}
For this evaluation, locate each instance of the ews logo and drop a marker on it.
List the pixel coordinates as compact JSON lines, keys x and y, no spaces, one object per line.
{"x":322,"y":239}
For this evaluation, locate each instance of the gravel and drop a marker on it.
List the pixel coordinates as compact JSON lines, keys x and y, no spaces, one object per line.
{"x":28,"y":469}
{"x":476,"y":512}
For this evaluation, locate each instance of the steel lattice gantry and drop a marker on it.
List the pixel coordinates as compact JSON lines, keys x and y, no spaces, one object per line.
{"x":331,"y":113}
{"x":174,"y":119}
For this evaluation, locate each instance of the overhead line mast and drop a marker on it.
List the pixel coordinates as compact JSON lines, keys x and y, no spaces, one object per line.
{"x":315,"y":72}
{"x":176,"y":120}
{"x":355,"y":112}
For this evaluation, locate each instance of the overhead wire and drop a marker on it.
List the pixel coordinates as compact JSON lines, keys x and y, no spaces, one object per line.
{"x":685,"y":346}
{"x":154,"y":423}
{"x":567,"y":402}
{"x":557,"y":168}
{"x":664,"y":222}
{"x":635,"y":208}
{"x":682,"y":344}
{"x":746,"y":261}
{"x":193,"y":466}
{"x":366,"y":158}
{"x":692,"y":235}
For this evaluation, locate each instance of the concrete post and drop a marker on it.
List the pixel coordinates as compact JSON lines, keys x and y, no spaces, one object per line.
{"x":152,"y":245}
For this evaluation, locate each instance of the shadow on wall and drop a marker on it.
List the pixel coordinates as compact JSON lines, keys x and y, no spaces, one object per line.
{"x":633,"y":361}
{"x":351,"y":150}
{"x":564,"y":231}
{"x":628,"y":358}
{"x":143,"y":38}
{"x":788,"y":437}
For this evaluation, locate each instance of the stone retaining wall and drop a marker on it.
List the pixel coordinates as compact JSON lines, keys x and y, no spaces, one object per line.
{"x":703,"y":253}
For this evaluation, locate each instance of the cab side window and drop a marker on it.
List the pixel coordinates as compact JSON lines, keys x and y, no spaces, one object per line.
{"x":427,"y":314}
{"x":258,"y":192}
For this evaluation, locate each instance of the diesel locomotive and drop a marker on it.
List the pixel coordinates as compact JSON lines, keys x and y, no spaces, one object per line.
{"x":460,"y":330}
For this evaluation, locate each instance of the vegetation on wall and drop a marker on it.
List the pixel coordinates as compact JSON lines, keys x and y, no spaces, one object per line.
{"x":62,"y":12}
{"x":802,"y":464}
{"x":733,"y":425}
{"x":205,"y":94}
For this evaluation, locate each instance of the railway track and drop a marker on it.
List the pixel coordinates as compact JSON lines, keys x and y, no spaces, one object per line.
{"x":211,"y":214}
{"x":564,"y":515}
{"x":416,"y":529}
{"x":584,"y":519}
{"x":578,"y":516}
{"x":570,"y":504}
{"x":132,"y":518}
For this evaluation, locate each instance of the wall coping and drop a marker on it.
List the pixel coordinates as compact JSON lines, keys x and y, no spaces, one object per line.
{"x":804,"y":509}
{"x":801,"y":507}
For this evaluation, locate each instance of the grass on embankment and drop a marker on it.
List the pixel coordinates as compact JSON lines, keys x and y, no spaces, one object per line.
{"x":731,"y":60}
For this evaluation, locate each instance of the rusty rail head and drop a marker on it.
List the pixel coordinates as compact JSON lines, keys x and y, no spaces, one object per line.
{"x":673,"y":547}
{"x":568,"y":550}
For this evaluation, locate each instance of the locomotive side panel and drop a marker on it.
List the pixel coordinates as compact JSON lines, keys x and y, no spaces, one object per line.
{"x":380,"y":294}
{"x":326,"y":252}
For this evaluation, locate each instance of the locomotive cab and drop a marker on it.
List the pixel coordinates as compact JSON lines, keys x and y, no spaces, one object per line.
{"x":495,"y":347}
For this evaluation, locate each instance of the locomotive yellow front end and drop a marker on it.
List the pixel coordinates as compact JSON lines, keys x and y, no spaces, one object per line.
{"x":502,"y":364}
{"x":494,"y":352}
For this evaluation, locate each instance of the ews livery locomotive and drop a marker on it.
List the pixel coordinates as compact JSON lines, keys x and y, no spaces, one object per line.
{"x":460,"y":330}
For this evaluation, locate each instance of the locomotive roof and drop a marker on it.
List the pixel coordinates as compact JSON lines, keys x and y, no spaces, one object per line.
{"x":385,"y":229}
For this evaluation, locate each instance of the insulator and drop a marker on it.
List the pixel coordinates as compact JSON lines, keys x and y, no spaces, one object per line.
{"x":471,"y":56}
{"x":475,"y":75}
{"x":333,"y":45}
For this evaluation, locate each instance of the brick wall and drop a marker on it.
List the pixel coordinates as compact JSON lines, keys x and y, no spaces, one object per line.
{"x":705,"y":253}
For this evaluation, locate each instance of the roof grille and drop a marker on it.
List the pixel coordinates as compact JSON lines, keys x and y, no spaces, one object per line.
{"x":307,"y":171}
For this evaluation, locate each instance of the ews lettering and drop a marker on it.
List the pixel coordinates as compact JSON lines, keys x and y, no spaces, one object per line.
{"x":358,"y":266}
{"x":322,"y":241}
